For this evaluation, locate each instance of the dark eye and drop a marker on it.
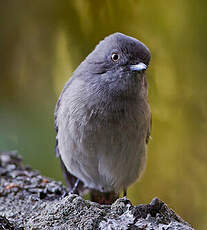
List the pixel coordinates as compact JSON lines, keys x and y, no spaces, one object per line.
{"x":115,"y":57}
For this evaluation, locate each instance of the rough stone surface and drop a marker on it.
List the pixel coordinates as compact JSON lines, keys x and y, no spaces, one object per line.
{"x":31,"y":201}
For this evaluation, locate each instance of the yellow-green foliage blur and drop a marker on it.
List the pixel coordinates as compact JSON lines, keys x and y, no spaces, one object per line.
{"x":42,"y":42}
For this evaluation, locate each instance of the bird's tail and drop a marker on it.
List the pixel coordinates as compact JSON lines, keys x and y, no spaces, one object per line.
{"x":103,"y":197}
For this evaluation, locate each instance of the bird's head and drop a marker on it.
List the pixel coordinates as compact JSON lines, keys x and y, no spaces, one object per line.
{"x":117,"y":56}
{"x":117,"y":63}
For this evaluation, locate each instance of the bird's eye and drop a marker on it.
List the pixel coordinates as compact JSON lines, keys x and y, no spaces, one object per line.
{"x":115,"y":57}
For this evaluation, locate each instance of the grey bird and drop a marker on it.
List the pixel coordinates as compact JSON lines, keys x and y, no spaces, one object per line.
{"x":103,"y":119}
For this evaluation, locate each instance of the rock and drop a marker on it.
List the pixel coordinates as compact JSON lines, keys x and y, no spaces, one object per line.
{"x":31,"y":201}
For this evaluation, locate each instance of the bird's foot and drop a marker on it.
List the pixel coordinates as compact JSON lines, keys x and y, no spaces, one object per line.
{"x":125,"y":192}
{"x":75,"y":188}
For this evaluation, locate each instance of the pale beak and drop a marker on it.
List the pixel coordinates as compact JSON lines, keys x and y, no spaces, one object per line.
{"x":138,"y":67}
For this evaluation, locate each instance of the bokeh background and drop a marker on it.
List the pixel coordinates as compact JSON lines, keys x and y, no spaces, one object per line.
{"x":42,"y":42}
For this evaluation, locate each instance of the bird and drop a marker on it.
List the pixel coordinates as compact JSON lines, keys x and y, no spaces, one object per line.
{"x":103,"y":119}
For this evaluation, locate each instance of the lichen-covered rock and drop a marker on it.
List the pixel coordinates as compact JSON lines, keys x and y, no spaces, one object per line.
{"x":31,"y":201}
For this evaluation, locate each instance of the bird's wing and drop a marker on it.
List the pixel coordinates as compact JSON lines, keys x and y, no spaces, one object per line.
{"x":57,"y":152}
{"x":149,"y":128}
{"x":56,"y":128}
{"x":69,"y":178}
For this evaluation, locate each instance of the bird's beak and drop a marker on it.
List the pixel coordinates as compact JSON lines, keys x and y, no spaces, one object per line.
{"x":138,"y":67}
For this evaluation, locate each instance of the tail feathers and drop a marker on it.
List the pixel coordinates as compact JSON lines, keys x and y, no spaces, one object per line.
{"x":103,"y":197}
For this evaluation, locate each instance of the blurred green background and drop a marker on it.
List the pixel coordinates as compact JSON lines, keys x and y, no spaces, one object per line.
{"x":42,"y":42}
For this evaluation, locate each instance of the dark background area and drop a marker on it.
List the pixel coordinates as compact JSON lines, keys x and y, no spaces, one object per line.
{"x":41,"y":44}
